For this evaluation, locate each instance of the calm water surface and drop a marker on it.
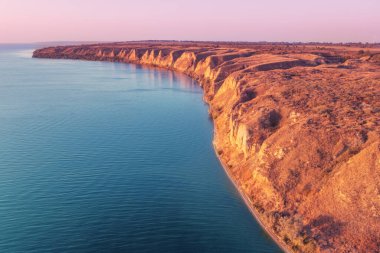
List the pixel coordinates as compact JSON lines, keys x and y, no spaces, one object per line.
{"x":111,"y":158}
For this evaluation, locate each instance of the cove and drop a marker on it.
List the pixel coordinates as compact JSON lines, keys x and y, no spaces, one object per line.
{"x":110,"y":157}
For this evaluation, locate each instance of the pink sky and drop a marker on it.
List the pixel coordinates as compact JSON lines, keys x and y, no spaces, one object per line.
{"x":232,"y":20}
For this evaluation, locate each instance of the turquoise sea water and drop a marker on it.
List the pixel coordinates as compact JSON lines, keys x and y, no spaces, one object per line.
{"x":107,"y":157}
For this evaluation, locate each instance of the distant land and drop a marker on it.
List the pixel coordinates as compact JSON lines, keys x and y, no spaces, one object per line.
{"x":247,"y":43}
{"x":297,"y":128}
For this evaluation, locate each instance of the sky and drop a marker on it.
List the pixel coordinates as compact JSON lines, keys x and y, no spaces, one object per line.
{"x":24,"y":21}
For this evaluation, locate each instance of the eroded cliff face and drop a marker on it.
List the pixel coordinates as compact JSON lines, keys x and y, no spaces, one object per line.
{"x":297,"y":128}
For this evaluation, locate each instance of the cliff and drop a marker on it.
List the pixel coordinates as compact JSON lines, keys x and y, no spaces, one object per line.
{"x":297,"y":127}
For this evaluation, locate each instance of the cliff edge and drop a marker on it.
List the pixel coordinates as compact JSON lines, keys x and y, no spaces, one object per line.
{"x":297,"y":128}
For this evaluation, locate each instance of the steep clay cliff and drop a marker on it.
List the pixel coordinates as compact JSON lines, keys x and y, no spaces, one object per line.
{"x":297,"y":127}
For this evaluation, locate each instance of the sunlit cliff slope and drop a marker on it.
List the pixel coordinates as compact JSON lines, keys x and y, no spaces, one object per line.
{"x":297,"y":127}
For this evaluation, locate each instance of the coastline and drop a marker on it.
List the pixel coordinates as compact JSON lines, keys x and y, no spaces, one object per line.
{"x":291,"y":138}
{"x":246,"y":200}
{"x":248,"y":203}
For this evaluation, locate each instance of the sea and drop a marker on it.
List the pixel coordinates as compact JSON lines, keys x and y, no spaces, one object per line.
{"x":112,"y":157}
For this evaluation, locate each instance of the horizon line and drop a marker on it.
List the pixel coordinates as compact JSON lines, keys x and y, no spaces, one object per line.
{"x":198,"y":41}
